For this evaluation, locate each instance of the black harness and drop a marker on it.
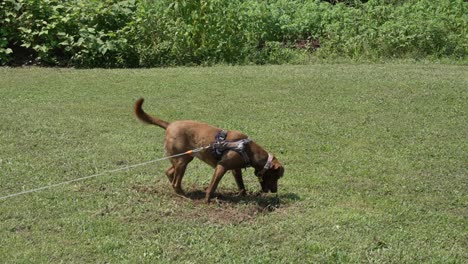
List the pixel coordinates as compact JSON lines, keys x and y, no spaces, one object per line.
{"x":221,"y":145}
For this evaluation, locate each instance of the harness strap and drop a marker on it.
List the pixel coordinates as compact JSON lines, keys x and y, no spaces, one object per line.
{"x":220,"y":138}
{"x":239,"y":147}
{"x":221,"y":145}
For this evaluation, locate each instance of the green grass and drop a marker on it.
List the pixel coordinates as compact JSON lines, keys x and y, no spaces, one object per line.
{"x":375,"y":157}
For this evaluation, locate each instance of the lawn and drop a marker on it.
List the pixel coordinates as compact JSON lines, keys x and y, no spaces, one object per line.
{"x":376,"y":160}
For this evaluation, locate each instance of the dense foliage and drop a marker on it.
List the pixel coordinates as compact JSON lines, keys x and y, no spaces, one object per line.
{"x":144,"y":33}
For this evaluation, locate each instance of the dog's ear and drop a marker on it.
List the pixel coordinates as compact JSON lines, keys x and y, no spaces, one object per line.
{"x":275,"y":164}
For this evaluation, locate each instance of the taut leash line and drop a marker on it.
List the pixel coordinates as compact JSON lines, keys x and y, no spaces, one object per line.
{"x":189,"y":152}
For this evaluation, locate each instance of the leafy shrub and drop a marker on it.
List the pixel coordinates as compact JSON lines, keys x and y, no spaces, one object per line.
{"x":66,"y":32}
{"x":146,"y":33}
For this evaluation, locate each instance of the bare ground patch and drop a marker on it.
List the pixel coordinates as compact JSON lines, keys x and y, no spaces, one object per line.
{"x":227,"y":206}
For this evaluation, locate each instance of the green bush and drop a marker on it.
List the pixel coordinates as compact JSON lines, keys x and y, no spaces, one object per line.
{"x":415,"y":29}
{"x":146,"y":33}
{"x":84,"y":33}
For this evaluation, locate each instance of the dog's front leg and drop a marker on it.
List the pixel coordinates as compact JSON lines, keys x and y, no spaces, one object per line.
{"x":220,"y":170}
{"x":239,"y":181}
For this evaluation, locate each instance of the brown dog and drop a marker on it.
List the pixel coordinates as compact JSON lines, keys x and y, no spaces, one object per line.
{"x":182,"y":136}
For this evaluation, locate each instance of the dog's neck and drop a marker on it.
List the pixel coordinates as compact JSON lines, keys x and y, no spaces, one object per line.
{"x":258,"y":156}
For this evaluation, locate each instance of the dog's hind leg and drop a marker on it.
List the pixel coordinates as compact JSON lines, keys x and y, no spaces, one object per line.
{"x":170,"y":174}
{"x":239,"y":181}
{"x":180,"y":165}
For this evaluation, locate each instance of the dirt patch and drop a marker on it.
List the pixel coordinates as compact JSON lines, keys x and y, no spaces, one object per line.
{"x":230,"y":208}
{"x":227,"y":207}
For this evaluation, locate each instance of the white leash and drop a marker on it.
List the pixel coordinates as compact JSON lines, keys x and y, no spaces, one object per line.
{"x":102,"y":173}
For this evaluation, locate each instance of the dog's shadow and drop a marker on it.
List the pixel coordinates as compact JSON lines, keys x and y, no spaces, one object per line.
{"x":263,"y":202}
{"x":255,"y":201}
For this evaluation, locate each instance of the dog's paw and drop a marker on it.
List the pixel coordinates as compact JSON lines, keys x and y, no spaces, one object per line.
{"x":179,"y":191}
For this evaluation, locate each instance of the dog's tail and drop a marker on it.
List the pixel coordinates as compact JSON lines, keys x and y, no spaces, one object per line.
{"x":140,"y":114}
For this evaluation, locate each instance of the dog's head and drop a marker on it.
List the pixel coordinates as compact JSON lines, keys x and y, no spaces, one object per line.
{"x":269,"y":178}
